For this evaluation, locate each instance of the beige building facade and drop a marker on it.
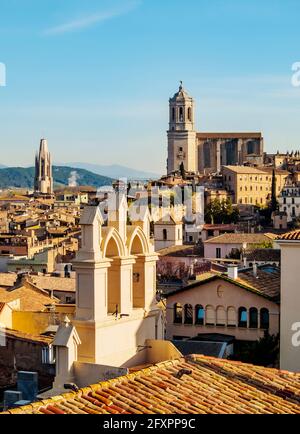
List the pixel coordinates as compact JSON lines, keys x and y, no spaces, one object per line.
{"x":218,"y":304}
{"x":167,"y":233}
{"x":251,"y":185}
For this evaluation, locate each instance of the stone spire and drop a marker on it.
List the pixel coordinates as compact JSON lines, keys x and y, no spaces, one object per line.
{"x":43,"y":183}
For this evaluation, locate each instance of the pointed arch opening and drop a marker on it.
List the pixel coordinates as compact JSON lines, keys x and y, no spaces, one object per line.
{"x":113,"y":249}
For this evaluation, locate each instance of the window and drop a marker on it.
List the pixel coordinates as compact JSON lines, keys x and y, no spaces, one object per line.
{"x":218,"y":252}
{"x":173,"y":114}
{"x":188,"y":314}
{"x":242,"y":317}
{"x":189,"y":114}
{"x":181,"y":114}
{"x":231,"y":317}
{"x":264,"y":318}
{"x":221,"y":316}
{"x":210,"y":315}
{"x":177,"y":313}
{"x":199,"y":314}
{"x":165,"y":234}
{"x":253,"y":318}
{"x":48,"y":355}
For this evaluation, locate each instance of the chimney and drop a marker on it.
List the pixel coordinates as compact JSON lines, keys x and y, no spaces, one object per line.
{"x":232,"y":271}
{"x":28,"y":385}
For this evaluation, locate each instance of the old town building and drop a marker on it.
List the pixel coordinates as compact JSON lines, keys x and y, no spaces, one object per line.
{"x":251,"y":185}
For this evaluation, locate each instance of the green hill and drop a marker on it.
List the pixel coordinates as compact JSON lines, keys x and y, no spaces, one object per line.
{"x":20,"y":177}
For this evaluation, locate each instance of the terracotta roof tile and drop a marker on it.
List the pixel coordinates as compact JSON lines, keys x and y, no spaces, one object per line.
{"x":215,"y":386}
{"x":294,"y":235}
{"x":239,"y":239}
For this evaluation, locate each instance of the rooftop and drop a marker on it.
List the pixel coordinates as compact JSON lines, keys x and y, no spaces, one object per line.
{"x":266,"y":284}
{"x":240,"y":239}
{"x":245,"y":169}
{"x":51,"y":283}
{"x":214,"y":386}
{"x":263,"y":255}
{"x":229,"y":135}
{"x":290,"y":236}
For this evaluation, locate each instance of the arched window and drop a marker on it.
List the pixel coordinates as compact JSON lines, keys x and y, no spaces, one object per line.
{"x":189,"y":114}
{"x":210,"y":315}
{"x":231,"y":317}
{"x":188,"y":314}
{"x":177,"y":313}
{"x":264,"y":318}
{"x":180,"y":114}
{"x":221,"y":316}
{"x":173,"y":114}
{"x":242,"y":317}
{"x":253,"y":318}
{"x":199,"y":314}
{"x":165,"y":234}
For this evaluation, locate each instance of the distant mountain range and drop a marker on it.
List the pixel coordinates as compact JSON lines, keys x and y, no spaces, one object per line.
{"x":20,"y":177}
{"x":115,"y":171}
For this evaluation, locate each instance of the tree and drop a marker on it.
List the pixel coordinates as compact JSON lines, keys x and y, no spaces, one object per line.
{"x":264,"y":352}
{"x":273,"y":204}
{"x":182,"y":171}
{"x":221,"y":212}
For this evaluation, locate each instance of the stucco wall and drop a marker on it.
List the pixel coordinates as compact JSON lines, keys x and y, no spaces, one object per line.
{"x":211,"y":249}
{"x":290,"y":306}
{"x":220,"y":293}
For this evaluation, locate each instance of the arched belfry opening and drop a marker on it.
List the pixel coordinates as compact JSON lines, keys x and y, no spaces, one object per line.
{"x":138,"y":280}
{"x":113,"y":253}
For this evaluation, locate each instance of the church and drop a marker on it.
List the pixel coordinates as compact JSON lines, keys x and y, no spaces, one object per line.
{"x":206,"y":152}
{"x":43,"y":181}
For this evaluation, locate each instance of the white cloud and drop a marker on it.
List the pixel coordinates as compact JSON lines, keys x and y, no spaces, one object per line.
{"x":90,"y":20}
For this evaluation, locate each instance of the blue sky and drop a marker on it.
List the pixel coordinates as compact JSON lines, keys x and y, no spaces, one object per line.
{"x":94,"y":77}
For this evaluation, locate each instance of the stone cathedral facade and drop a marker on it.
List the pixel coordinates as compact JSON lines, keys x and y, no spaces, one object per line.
{"x":204,"y":152}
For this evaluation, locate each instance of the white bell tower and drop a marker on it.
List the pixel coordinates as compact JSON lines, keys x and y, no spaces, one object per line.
{"x":181,"y":134}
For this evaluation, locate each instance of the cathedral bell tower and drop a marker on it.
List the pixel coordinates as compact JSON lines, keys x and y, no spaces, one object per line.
{"x":182,"y":135}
